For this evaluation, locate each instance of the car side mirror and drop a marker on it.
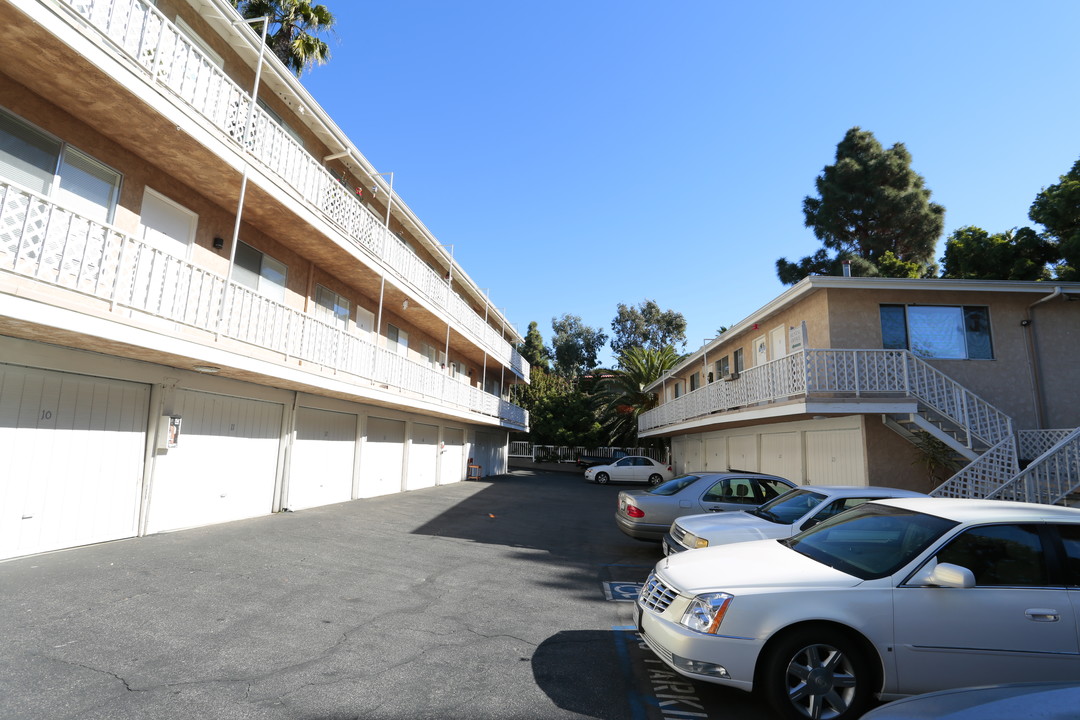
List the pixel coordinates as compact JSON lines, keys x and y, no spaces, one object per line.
{"x":944,"y":575}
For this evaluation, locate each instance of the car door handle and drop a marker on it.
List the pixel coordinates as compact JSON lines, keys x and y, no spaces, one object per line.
{"x":1042,"y":615}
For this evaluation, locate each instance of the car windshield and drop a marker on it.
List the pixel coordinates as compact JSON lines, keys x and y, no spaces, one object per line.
{"x":673,"y":485}
{"x":789,"y":507}
{"x":870,"y":541}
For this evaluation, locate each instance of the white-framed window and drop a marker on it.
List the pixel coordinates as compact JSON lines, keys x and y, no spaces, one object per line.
{"x":398,"y":339}
{"x":459,"y":371}
{"x":45,"y":164}
{"x":938,"y":331}
{"x":167,"y":225}
{"x":260,"y":272}
{"x":695,"y":381}
{"x":280,"y":122}
{"x":737,"y":357}
{"x":435,"y":357}
{"x":331,"y":307}
{"x":723,"y":367}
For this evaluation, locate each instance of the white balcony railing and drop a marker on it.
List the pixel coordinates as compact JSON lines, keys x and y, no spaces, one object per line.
{"x":170,"y":58}
{"x":840,"y":373}
{"x":48,"y":243}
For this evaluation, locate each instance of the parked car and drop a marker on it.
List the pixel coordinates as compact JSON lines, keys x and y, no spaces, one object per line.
{"x":794,"y":511}
{"x":892,"y":598}
{"x":648,"y":514}
{"x":1036,"y":701}
{"x":588,"y":461}
{"x":633,"y":468}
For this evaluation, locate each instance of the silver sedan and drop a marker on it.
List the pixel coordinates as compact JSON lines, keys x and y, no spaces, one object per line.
{"x":647,"y":514}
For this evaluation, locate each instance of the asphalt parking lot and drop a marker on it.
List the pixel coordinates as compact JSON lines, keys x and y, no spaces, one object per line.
{"x":504,"y":598}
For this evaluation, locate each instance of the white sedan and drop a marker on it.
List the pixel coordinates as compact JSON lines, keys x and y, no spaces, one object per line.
{"x":794,"y":511}
{"x":634,"y":468}
{"x":892,"y":598}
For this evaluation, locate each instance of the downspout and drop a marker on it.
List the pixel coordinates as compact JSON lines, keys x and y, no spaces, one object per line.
{"x":1033,"y":360}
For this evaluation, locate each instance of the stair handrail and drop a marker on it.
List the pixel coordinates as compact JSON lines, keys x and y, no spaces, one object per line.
{"x":1050,"y":478}
{"x":987,"y":474}
{"x":952,"y":400}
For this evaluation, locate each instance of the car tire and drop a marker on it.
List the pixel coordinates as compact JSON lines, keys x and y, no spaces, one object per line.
{"x":656,"y":479}
{"x":817,"y":674}
{"x":602,"y":478}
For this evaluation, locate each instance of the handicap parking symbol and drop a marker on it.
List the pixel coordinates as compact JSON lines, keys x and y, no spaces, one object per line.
{"x":622,"y":591}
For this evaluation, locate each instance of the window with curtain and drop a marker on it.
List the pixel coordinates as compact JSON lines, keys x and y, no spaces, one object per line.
{"x":331,"y":307}
{"x":260,"y":272}
{"x":37,"y":161}
{"x":938,"y":331}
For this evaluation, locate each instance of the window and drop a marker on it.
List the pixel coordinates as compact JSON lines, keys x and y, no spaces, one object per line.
{"x":695,"y":381}
{"x":1000,"y":555}
{"x":723,"y":367}
{"x":331,"y":307}
{"x":435,"y":357}
{"x":678,"y":390}
{"x":260,"y":272}
{"x":738,"y":358}
{"x":399,"y":339}
{"x":53,"y":168}
{"x":280,"y":122}
{"x":937,"y":331}
{"x":166,"y":225}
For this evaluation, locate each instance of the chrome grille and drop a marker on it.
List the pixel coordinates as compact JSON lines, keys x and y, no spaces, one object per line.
{"x":655,"y":595}
{"x":678,"y":533}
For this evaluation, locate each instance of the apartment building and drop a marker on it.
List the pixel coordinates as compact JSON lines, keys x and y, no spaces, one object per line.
{"x":843,"y":380}
{"x":213,"y":308}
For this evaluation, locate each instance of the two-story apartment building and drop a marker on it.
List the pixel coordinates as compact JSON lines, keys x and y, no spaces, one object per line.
{"x":212,"y":306}
{"x":838,"y":380}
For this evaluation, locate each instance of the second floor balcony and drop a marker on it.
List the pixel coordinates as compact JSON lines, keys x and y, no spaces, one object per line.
{"x":833,"y":377}
{"x":50,"y":244}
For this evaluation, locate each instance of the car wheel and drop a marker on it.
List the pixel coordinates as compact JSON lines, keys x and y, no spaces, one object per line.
{"x":656,"y":479}
{"x":817,"y":675}
{"x":602,"y":478}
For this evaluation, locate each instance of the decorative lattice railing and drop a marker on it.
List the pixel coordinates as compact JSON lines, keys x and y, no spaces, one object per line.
{"x":51,"y":244}
{"x":1051,"y":478}
{"x":984,"y":475}
{"x":172,"y":60}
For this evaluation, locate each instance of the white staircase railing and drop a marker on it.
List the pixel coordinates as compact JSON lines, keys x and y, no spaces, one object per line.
{"x":984,"y":475}
{"x":149,"y":39}
{"x":51,"y":244}
{"x":1049,"y":479}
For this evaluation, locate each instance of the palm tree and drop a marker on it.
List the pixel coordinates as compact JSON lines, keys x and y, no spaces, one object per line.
{"x":293,"y":28}
{"x":622,"y":397}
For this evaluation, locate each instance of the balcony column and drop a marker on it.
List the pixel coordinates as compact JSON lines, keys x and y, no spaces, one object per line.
{"x":245,"y":150}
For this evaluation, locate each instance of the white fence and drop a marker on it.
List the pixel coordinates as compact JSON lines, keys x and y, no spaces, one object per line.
{"x":565,"y":454}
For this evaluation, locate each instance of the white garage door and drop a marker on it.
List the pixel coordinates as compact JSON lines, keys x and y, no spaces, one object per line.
{"x":321,"y":471}
{"x":453,"y":456}
{"x":72,"y":450}
{"x":382,"y":460}
{"x":716,"y":454}
{"x":742,"y":452}
{"x":834,"y":457}
{"x":781,"y":455}
{"x":224,"y":465}
{"x":423,"y":457}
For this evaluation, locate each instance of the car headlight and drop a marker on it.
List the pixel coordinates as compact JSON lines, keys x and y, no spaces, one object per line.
{"x":694,"y":542}
{"x":706,"y":612}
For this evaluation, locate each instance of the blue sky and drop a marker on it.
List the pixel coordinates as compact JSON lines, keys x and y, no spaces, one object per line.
{"x":582,"y":154}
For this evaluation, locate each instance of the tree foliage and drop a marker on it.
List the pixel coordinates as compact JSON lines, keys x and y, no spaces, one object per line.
{"x":647,"y":326}
{"x":1057,"y":208}
{"x":559,"y":414}
{"x":621,"y":396}
{"x":972,"y":253}
{"x":574,"y":345}
{"x":293,"y":30}
{"x":533,"y":349}
{"x":870,"y":203}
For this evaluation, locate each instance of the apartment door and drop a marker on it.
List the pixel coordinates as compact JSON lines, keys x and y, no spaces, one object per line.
{"x":423,"y":457}
{"x":321,"y":469}
{"x":777,"y":343}
{"x":224,"y":464}
{"x":73,"y":450}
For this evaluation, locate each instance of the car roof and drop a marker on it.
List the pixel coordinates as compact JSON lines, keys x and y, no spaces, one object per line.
{"x":972,"y":510}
